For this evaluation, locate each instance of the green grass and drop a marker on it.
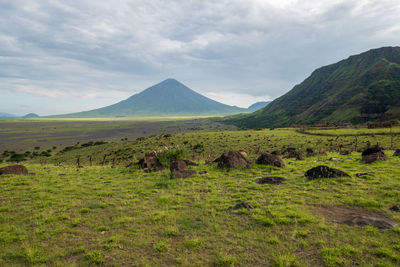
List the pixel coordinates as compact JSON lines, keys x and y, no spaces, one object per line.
{"x":122,"y":216}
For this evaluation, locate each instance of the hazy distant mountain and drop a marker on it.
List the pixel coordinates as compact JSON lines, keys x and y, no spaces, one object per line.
{"x":364,"y":87}
{"x":258,"y":105}
{"x":7,"y":115}
{"x":168,"y":98}
{"x":30,"y":115}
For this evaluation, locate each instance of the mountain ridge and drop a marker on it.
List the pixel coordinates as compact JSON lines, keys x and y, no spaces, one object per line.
{"x":363,"y":87}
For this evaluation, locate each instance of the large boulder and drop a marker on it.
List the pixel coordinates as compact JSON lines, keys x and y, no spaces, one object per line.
{"x":372,"y":154}
{"x":179,"y":169}
{"x":150,"y":160}
{"x":232,"y":160}
{"x":267,"y":158}
{"x":324,"y":172}
{"x":14,"y":169}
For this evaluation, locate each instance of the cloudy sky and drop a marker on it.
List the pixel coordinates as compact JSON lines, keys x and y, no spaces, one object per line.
{"x":60,"y":56}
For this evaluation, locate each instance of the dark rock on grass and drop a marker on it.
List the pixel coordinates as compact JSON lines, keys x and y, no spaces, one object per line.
{"x":363,"y":174}
{"x":345,"y":152}
{"x":380,"y":222}
{"x":395,"y":208}
{"x":270,"y":159}
{"x":310,"y":152}
{"x":14,"y":169}
{"x":179,"y":169}
{"x":202,"y":172}
{"x":150,"y":160}
{"x":293,"y":153}
{"x":397,"y":153}
{"x":129,"y":165}
{"x":182,"y":174}
{"x":372,"y":154}
{"x":271,"y":180}
{"x":242,"y":205}
{"x":324,"y":172}
{"x":232,"y":160}
{"x":190,"y":163}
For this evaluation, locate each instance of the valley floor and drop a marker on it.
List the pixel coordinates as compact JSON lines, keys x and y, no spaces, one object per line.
{"x":99,"y":215}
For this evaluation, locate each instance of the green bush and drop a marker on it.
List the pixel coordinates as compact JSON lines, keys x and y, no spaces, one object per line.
{"x":167,"y":156}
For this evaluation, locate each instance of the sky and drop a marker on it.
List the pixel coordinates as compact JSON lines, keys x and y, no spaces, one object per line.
{"x":61,"y":56}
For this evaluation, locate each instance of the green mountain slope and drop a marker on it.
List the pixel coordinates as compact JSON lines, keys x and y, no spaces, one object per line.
{"x":364,"y":87}
{"x":258,"y":105}
{"x":168,"y":98}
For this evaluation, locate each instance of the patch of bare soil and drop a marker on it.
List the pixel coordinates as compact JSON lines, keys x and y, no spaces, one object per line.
{"x":355,"y":216}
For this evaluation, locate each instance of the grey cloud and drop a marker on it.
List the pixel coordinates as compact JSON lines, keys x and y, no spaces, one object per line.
{"x":256,"y":48}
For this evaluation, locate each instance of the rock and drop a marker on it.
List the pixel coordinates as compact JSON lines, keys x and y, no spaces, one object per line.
{"x":177,"y":165}
{"x":129,"y":165}
{"x":345,"y":152}
{"x":242,"y":205}
{"x":14,"y":169}
{"x":271,"y":180}
{"x":363,"y":174}
{"x":397,"y":153}
{"x":372,"y":154}
{"x":270,"y":159}
{"x":324,"y":172}
{"x":310,"y":152}
{"x":202,"y":172}
{"x":182,"y":174}
{"x":293,"y":153}
{"x":395,"y":208}
{"x":179,"y":169}
{"x":375,"y":221}
{"x":232,"y":160}
{"x":190,"y":163}
{"x":150,"y":160}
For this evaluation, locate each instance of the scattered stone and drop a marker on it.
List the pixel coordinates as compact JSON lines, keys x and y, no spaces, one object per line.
{"x":270,"y":159}
{"x":310,"y":152}
{"x":395,"y":208}
{"x":271,"y":180}
{"x":345,"y":152}
{"x":324,"y":172}
{"x":14,"y":169}
{"x":129,"y":165}
{"x":363,"y":174}
{"x":397,"y":153}
{"x":190,"y":163}
{"x":291,"y":152}
{"x":150,"y":160}
{"x":378,"y":222}
{"x":202,"y":172}
{"x":276,"y":152}
{"x":242,"y":205}
{"x":372,"y":154}
{"x":179,"y":169}
{"x":232,"y":160}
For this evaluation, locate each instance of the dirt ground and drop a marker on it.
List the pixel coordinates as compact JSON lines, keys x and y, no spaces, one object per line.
{"x":25,"y":135}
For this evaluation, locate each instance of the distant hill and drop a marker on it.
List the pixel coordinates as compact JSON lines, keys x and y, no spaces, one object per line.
{"x":7,"y":115}
{"x":364,"y":87}
{"x":30,"y":115}
{"x":258,"y":105}
{"x":168,"y":98}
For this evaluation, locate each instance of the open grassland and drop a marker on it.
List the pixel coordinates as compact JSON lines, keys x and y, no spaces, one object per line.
{"x":99,"y":215}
